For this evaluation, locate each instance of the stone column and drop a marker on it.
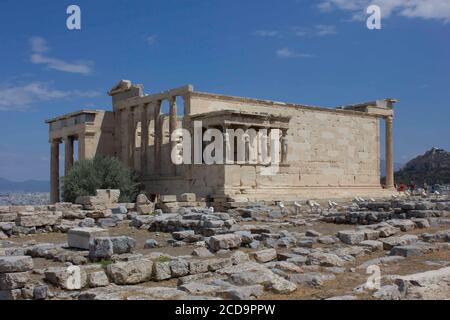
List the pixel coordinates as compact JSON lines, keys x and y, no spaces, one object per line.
{"x":54,"y":171}
{"x":228,"y":155}
{"x":68,"y":156}
{"x":158,"y":137}
{"x":144,"y":139}
{"x":117,"y":133}
{"x":269,"y":144}
{"x":131,"y":137}
{"x":81,"y":147}
{"x":172,"y":128}
{"x":389,"y":154}
{"x":284,"y":145}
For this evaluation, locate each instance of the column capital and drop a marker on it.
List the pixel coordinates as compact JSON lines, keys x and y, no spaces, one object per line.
{"x":68,"y":138}
{"x":389,"y":118}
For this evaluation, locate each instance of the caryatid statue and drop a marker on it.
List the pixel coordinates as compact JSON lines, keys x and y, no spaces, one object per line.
{"x":228,"y":153}
{"x":284,"y":146}
{"x":179,"y":148}
{"x":246,"y":138}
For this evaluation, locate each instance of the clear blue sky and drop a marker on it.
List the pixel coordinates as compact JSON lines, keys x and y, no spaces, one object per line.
{"x":314,"y":52}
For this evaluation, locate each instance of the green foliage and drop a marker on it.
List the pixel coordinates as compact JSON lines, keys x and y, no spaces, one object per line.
{"x":163,"y":259}
{"x":104,"y":263}
{"x":87,"y":176}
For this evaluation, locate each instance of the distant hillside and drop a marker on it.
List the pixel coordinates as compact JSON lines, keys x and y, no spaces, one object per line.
{"x":397,"y":166}
{"x":432,"y":167}
{"x":24,"y":186}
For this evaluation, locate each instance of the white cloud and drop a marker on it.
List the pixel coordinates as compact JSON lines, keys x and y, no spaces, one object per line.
{"x":265,"y":33}
{"x":39,"y":48}
{"x":325,"y":30}
{"x":319,"y":30}
{"x":38,"y":45}
{"x":151,"y":39}
{"x":425,"y":9}
{"x":20,"y":97}
{"x":287,"y":53}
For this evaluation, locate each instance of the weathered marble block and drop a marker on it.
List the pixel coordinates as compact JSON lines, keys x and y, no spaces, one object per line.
{"x":82,"y":237}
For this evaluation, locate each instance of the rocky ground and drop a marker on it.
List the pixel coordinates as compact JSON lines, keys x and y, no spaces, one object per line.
{"x":392,"y":249}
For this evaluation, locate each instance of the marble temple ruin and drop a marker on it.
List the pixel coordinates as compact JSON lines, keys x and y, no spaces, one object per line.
{"x":324,"y":153}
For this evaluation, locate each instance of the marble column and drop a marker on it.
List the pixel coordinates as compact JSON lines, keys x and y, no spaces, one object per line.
{"x":284,"y":145}
{"x":117,"y":133}
{"x":54,"y":171}
{"x":172,"y":128}
{"x":131,"y":137}
{"x":81,"y":147}
{"x":158,"y":137}
{"x":68,"y":156}
{"x":389,"y":154}
{"x":144,"y":139}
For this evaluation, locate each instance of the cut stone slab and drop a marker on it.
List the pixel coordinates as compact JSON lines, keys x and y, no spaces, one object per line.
{"x":8,"y":217}
{"x":179,"y":268}
{"x":181,"y":235}
{"x":188,"y":197}
{"x":38,"y":219}
{"x":238,"y":257}
{"x":371,"y":234}
{"x":15,"y":280}
{"x":219,"y":263}
{"x":199,"y":288}
{"x":404,"y":225}
{"x":64,"y":278}
{"x":198,"y":266}
{"x":410,"y":250}
{"x":407,"y":239}
{"x":151,"y":243}
{"x":145,"y":209}
{"x":161,"y":271}
{"x":225,"y":241}
{"x":421,"y":223}
{"x":15,"y":294}
{"x":241,"y":293}
{"x":312,"y":233}
{"x":130,"y":272}
{"x":429,"y":285}
{"x":105,"y":247}
{"x":388,"y":231}
{"x":325,"y":259}
{"x":351,"y":236}
{"x":311,"y":279}
{"x":15,"y":264}
{"x":264,"y":277}
{"x":202,"y":252}
{"x":373,"y":245}
{"x":265,"y":255}
{"x":82,"y":237}
{"x":168,"y":198}
{"x":389,"y":292}
{"x":97,"y":279}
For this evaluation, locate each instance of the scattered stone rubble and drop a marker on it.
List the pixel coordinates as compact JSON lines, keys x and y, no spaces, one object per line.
{"x":250,"y":251}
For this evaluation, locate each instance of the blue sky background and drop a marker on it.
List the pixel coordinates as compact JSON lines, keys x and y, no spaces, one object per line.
{"x":313,"y":52}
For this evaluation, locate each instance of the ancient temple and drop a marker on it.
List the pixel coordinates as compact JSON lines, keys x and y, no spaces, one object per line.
{"x":314,"y":152}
